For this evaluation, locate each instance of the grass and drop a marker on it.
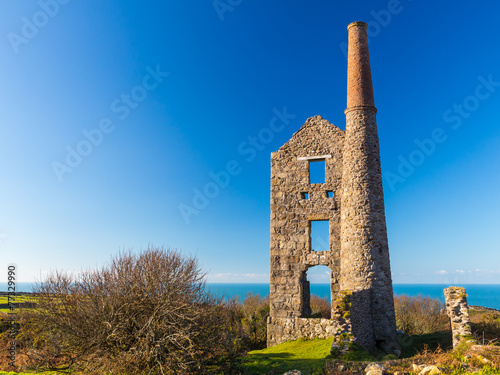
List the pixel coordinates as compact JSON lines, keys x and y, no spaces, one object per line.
{"x":15,"y":299}
{"x":302,"y":354}
{"x":313,"y":357}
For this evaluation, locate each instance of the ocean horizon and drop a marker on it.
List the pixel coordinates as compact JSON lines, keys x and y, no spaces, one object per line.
{"x":487,"y":295}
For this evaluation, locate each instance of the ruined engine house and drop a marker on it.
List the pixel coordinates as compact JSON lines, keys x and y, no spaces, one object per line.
{"x":351,"y":201}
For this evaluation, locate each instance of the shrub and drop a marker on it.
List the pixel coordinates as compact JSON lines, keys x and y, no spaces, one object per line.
{"x":249,"y":319}
{"x":420,"y":315}
{"x":254,"y":311}
{"x":4,"y":322}
{"x":320,"y":307}
{"x":145,"y":313}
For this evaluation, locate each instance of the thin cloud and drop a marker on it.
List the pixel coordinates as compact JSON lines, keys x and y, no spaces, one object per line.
{"x":485,"y":271}
{"x":319,"y":277}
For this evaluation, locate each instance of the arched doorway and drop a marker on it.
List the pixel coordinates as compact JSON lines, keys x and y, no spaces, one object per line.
{"x":316,"y":292}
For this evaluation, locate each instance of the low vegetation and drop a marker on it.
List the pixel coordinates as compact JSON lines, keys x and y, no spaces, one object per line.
{"x":307,"y":355}
{"x":320,"y":307}
{"x":485,"y":324}
{"x":313,"y":357}
{"x":146,"y":313}
{"x":151,"y":313}
{"x":420,"y":315}
{"x":25,"y":301}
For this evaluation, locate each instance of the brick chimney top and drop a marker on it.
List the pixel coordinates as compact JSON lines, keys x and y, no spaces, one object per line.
{"x":359,"y":77}
{"x":357,"y":23}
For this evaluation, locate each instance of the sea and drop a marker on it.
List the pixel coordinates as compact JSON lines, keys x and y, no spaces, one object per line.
{"x":487,"y":295}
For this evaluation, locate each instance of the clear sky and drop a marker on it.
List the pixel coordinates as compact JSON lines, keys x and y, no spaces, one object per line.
{"x":116,"y":115}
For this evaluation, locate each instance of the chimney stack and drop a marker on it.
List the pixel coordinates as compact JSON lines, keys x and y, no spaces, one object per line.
{"x":359,"y":76}
{"x":364,"y":251}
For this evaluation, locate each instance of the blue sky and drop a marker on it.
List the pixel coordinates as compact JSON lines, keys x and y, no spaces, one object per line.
{"x":113,"y":115}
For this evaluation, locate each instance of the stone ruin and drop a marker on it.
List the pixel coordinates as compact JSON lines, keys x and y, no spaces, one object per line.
{"x":351,"y":200}
{"x":458,"y":312}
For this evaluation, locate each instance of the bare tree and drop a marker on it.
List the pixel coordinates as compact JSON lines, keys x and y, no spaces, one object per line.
{"x":148,"y":312}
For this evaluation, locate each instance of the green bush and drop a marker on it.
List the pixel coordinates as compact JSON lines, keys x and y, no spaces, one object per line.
{"x":254,"y":311}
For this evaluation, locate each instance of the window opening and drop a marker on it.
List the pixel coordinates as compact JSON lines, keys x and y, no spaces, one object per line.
{"x":320,"y":235}
{"x":316,"y":171}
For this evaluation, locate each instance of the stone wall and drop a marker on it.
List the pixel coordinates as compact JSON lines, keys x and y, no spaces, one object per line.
{"x":284,"y":329}
{"x":291,"y":214}
{"x":458,"y":312}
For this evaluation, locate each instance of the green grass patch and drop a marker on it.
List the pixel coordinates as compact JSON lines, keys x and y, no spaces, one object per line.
{"x":4,"y":300}
{"x":302,"y":354}
{"x":18,"y":298}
